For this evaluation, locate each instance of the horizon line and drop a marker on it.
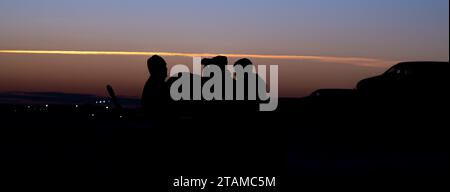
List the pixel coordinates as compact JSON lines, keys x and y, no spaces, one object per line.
{"x":357,"y":61}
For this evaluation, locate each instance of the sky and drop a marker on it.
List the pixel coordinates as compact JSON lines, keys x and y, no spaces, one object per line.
{"x":384,"y":30}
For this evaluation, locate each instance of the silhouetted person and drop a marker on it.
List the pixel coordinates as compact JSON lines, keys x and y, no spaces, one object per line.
{"x":183,"y":108}
{"x":156,"y":92}
{"x":223,"y":105}
{"x":221,"y":62}
{"x":258,"y":83}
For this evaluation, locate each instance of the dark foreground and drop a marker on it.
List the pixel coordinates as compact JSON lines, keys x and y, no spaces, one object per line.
{"x":310,"y":143}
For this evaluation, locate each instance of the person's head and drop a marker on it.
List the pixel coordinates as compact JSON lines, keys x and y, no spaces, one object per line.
{"x":243,"y":62}
{"x":220,"y":61}
{"x":217,"y":60}
{"x":157,"y":66}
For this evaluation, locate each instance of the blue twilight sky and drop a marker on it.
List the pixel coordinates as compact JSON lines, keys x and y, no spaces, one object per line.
{"x":374,"y":28}
{"x":382,"y":29}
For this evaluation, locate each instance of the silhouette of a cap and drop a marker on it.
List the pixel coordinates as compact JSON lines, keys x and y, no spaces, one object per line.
{"x":217,"y":60}
{"x":243,"y":62}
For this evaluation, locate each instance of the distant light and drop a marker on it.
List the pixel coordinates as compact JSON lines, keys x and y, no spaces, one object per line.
{"x":92,"y":115}
{"x":96,"y":102}
{"x":107,"y":107}
{"x":120,"y":116}
{"x":46,"y":105}
{"x":76,"y":106}
{"x":104,"y":101}
{"x":29,"y":106}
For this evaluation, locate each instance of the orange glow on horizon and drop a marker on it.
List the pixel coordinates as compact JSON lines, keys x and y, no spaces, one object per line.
{"x":357,"y":61}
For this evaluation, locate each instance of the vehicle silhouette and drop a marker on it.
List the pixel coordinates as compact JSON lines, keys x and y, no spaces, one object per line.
{"x":419,"y":78}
